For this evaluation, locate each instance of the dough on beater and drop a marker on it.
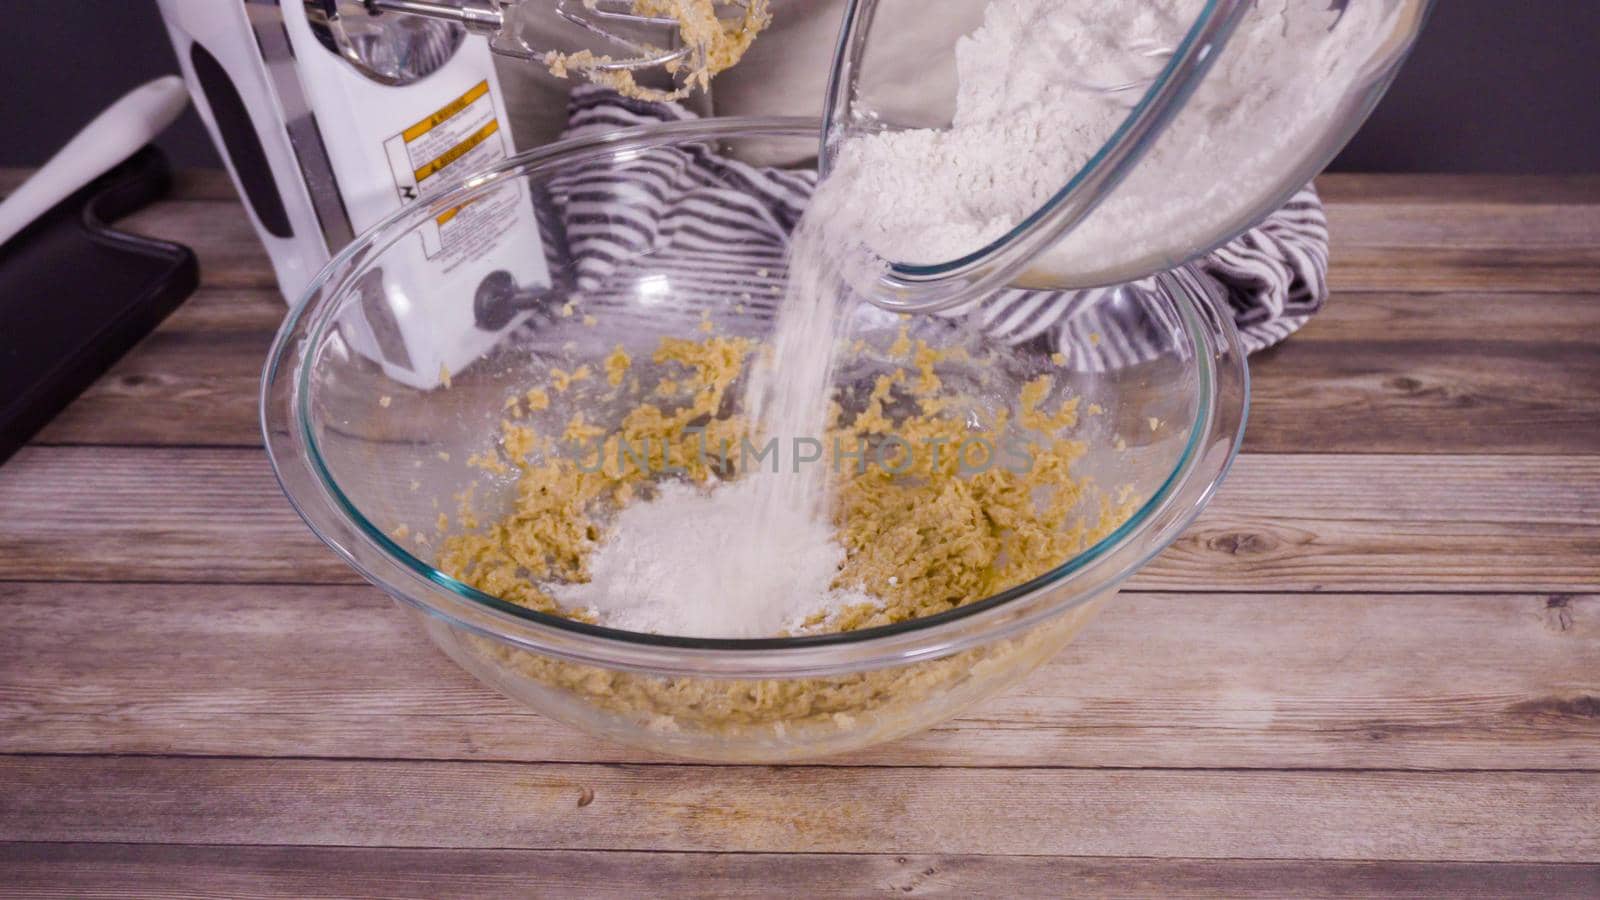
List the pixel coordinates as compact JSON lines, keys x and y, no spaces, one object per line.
{"x":714,"y":45}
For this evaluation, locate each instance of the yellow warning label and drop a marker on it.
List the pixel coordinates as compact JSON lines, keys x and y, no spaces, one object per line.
{"x":458,"y":151}
{"x":445,"y":113}
{"x":462,"y":136}
{"x":444,"y":217}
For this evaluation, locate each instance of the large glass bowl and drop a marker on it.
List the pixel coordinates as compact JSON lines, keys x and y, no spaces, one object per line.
{"x":895,"y":70}
{"x":369,"y":461}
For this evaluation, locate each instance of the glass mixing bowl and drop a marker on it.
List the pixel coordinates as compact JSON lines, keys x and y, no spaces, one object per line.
{"x":1111,"y":221}
{"x":370,"y":460}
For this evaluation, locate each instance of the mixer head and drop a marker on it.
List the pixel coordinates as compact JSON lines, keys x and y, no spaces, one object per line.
{"x":702,"y":37}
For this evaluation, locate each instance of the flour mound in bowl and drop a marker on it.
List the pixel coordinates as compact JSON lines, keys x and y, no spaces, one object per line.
{"x":663,"y":567}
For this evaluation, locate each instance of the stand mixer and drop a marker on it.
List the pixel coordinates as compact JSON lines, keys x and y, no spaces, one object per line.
{"x":328,"y":129}
{"x":332,"y":115}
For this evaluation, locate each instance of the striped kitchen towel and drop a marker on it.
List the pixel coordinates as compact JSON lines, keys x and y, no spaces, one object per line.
{"x":718,"y":228}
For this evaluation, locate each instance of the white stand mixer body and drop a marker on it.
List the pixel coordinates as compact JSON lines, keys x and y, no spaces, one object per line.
{"x":322,"y":147}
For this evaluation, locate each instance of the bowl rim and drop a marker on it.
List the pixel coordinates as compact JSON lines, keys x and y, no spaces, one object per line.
{"x":312,"y":490}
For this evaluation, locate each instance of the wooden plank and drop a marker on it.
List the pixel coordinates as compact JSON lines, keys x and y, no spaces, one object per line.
{"x":1336,"y":187}
{"x":132,"y":514}
{"x":1463,"y":233}
{"x":1493,"y":227}
{"x":234,"y":312}
{"x":1530,"y":321}
{"x":1415,"y":233}
{"x":215,"y":184}
{"x":1426,"y":397}
{"x":1385,"y":373}
{"x":152,"y":872}
{"x":1340,"y":188}
{"x":1449,"y":234}
{"x":1363,"y":377}
{"x":1434,"y":373}
{"x":1390,"y":262}
{"x":1457,"y":816}
{"x":1243,"y":681}
{"x":1342,"y":522}
{"x":1373,"y":373}
{"x":1281,"y":523}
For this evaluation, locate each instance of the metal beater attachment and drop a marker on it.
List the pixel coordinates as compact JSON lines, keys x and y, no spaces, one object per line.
{"x":502,"y":21}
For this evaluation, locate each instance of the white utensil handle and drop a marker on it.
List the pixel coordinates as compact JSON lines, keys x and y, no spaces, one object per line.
{"x":112,"y":137}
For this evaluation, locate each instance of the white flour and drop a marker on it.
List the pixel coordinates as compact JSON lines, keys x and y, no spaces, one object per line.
{"x":680,"y":564}
{"x":1028,"y":116}
{"x":789,"y":397}
{"x":755,"y":557}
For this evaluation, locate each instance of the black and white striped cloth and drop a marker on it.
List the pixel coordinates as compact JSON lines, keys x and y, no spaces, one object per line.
{"x":717,"y":228}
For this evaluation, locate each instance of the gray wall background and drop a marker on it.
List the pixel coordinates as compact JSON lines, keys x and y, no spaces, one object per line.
{"x":1494,"y":85}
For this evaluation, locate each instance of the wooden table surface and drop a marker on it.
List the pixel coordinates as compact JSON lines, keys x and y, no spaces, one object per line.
{"x":1372,"y":666}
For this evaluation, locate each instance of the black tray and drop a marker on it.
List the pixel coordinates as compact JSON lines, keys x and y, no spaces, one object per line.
{"x":75,"y":295}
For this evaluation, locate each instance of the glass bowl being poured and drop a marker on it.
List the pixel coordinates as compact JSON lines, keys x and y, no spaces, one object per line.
{"x":372,"y":460}
{"x":1194,"y":120}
